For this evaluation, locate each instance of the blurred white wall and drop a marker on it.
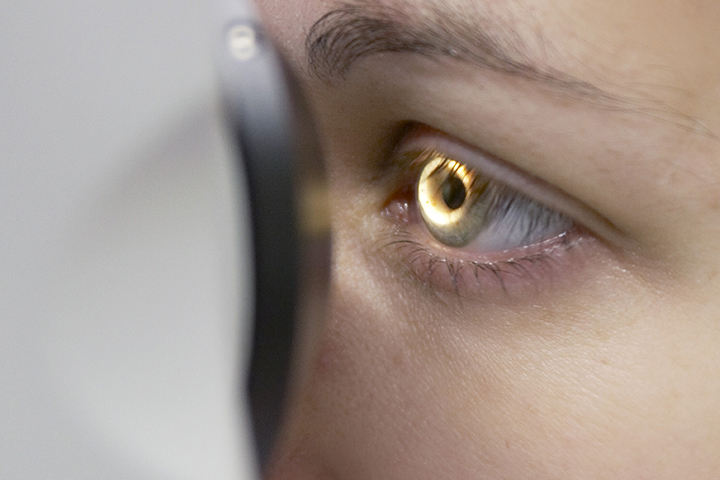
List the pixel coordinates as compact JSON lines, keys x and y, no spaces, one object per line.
{"x":121,"y":278}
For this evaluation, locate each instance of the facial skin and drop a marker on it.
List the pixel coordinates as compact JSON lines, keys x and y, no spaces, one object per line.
{"x":603,"y":362}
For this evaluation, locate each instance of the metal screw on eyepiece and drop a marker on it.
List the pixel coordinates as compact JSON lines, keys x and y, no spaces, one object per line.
{"x":242,"y":42}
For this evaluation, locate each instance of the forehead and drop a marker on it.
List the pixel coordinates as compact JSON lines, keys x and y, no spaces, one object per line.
{"x":665,"y":50}
{"x":605,"y":25}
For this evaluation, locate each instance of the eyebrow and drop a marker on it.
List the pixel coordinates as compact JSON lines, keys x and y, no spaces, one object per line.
{"x":363,"y":28}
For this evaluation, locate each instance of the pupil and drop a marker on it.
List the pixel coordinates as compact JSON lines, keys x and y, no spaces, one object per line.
{"x":453,"y":192}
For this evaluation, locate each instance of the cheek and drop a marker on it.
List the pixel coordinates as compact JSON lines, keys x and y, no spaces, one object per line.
{"x":374,"y":406}
{"x":376,"y":402}
{"x":400,"y":392}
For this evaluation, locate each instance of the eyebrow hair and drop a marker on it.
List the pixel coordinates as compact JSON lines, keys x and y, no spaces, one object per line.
{"x":363,"y":28}
{"x":358,"y":29}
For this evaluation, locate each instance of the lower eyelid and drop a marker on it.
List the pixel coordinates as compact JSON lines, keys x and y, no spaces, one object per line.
{"x":508,"y":275}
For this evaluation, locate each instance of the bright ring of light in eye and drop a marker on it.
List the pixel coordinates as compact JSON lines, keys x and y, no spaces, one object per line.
{"x":436,"y":174}
{"x":447,"y":199}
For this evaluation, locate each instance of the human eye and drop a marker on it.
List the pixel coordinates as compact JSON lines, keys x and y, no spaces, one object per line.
{"x":471,"y":223}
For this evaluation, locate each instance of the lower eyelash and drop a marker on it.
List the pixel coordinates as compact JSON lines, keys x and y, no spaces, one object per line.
{"x":530,"y":271}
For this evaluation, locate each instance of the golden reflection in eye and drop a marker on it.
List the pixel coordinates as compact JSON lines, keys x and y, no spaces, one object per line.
{"x":448,"y":197}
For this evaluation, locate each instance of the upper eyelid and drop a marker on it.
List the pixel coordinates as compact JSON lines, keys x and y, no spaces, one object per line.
{"x":426,"y":138}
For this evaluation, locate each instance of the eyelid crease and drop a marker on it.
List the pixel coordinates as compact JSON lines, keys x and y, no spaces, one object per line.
{"x":423,"y":138}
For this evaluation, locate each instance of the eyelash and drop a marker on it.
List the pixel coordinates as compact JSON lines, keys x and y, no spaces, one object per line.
{"x":513,"y":277}
{"x":511,"y":272}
